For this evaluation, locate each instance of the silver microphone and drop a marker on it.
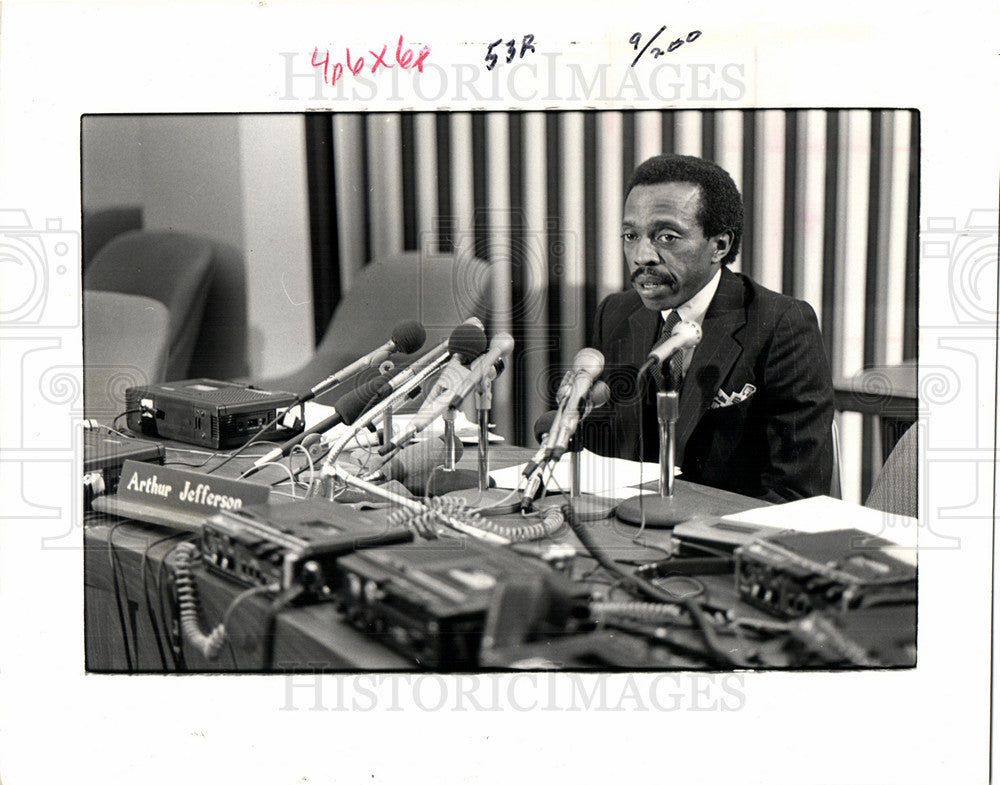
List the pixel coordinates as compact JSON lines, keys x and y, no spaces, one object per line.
{"x":684,"y":336}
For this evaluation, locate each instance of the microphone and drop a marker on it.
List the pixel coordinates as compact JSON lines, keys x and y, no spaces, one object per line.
{"x":413,"y":465}
{"x":543,"y":431}
{"x":564,"y":387}
{"x":598,"y":395}
{"x":406,"y":339}
{"x":502,"y":344}
{"x":544,"y":424}
{"x":404,"y":383}
{"x":587,"y":366}
{"x":547,"y":431}
{"x":532,"y":472}
{"x":684,"y":336}
{"x":347,"y":408}
{"x":466,"y":343}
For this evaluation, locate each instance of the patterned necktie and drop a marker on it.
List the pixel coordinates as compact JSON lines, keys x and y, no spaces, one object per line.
{"x":675,"y":364}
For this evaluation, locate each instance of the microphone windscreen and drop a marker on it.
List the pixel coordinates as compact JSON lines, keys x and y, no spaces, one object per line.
{"x":600,"y":394}
{"x":544,"y":424}
{"x":590,"y":361}
{"x":468,"y":341}
{"x":351,"y":405}
{"x":409,"y":336}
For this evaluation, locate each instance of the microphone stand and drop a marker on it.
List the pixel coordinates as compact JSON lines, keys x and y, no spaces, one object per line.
{"x":587,"y":508}
{"x":450,"y":478}
{"x":387,"y":434}
{"x":671,"y":504}
{"x":487,"y":500}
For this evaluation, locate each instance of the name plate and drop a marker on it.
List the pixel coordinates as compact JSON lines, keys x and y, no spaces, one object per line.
{"x":186,"y":491}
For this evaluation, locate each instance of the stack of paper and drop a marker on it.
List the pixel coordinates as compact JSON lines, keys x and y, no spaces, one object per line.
{"x":823,"y":513}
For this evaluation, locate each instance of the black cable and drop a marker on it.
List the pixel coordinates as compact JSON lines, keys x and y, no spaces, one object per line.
{"x":651,"y":590}
{"x":154,"y":622}
{"x":160,"y":572}
{"x":231,"y":609}
{"x":149,"y":609}
{"x":114,"y":422}
{"x":117,"y":592}
{"x":260,"y":432}
{"x":279,"y":603}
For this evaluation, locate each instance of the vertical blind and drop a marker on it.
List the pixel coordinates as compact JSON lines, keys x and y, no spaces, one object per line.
{"x":830,"y":197}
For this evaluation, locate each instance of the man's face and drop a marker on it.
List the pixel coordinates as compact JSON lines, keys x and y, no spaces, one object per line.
{"x":669,"y":257}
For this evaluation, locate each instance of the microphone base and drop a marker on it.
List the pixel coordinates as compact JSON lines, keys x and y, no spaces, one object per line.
{"x":593,"y":508}
{"x":445,"y":481}
{"x":662,"y":512}
{"x":492,"y":501}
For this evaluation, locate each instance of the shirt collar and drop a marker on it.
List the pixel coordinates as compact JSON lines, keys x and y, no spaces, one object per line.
{"x":694,"y":309}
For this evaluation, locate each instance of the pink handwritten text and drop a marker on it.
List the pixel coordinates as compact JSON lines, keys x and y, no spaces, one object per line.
{"x":333,"y":70}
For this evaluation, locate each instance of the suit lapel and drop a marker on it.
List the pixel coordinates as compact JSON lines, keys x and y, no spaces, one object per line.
{"x":719,"y":349}
{"x":644,"y":329}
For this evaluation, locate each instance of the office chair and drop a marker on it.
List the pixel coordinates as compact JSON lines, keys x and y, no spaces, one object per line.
{"x":100,"y":227}
{"x":116,"y":355}
{"x":439,"y":291}
{"x":171,"y":267}
{"x":895,"y":488}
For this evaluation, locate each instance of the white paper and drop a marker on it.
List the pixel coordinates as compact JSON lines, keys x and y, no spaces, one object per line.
{"x":601,"y":476}
{"x":824,"y":513}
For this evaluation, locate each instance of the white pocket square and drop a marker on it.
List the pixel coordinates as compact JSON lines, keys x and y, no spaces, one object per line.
{"x":723,"y":399}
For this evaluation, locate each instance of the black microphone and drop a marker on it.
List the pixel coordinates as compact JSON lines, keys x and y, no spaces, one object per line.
{"x":544,"y":424}
{"x":502,"y":343}
{"x":406,"y":339}
{"x":549,"y":429}
{"x":544,"y":428}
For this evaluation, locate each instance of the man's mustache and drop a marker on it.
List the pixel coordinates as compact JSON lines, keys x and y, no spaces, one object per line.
{"x":652,"y":275}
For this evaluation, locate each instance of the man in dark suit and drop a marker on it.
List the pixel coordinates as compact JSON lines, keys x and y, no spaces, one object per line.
{"x":756,"y":398}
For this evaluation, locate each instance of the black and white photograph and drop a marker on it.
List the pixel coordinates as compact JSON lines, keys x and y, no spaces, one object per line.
{"x":283,"y":251}
{"x":569,"y":389}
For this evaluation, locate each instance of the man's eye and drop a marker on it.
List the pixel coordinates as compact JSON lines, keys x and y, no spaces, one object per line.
{"x":629,"y":237}
{"x":666,"y":238}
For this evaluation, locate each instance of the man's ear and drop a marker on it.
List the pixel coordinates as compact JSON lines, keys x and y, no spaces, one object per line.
{"x":722,"y":242}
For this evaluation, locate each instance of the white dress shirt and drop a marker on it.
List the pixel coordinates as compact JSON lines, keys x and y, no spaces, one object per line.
{"x":694,"y":310}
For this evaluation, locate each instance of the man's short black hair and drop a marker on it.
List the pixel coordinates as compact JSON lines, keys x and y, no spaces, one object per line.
{"x":721,"y":206}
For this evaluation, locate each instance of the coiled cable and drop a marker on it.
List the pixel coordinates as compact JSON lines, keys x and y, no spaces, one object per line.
{"x":643,"y":611}
{"x":210,"y":646}
{"x":526,"y":530}
{"x":187,"y":602}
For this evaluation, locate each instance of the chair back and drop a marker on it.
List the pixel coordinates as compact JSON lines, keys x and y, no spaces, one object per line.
{"x":171,"y":267}
{"x":895,"y":488}
{"x":437,"y":290}
{"x":102,"y":226}
{"x":118,"y":355}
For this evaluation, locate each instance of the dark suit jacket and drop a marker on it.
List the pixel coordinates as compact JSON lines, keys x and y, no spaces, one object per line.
{"x":776,"y":445}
